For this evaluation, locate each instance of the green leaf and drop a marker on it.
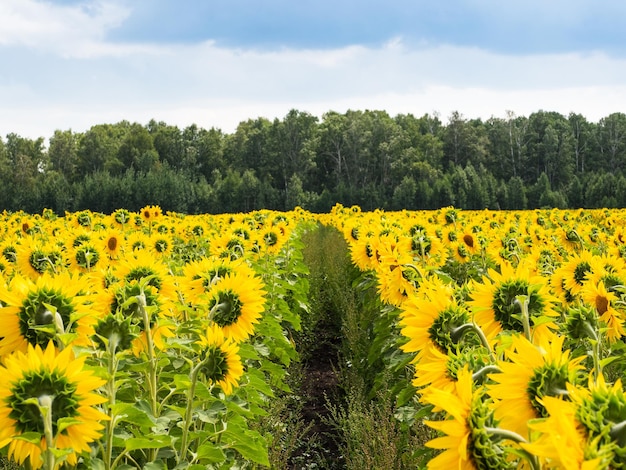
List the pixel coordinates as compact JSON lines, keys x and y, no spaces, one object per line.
{"x":211,"y":453}
{"x":155,"y":441}
{"x":31,"y":437}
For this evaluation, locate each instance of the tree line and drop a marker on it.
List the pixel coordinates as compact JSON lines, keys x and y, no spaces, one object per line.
{"x":367,"y":158}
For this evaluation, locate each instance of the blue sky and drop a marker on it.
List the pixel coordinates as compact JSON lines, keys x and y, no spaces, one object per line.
{"x":71,"y":64}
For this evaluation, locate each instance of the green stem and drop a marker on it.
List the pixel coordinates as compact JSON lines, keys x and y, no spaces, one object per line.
{"x":458,"y":332}
{"x":188,"y":413}
{"x":488,"y":369}
{"x":596,"y":350}
{"x":152,"y":362}
{"x":45,"y":408}
{"x":513,"y":436}
{"x":111,"y":388}
{"x":523,"y":301}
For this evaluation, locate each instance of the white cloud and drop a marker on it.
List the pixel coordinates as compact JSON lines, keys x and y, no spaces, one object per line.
{"x":87,"y":80}
{"x":76,"y":30}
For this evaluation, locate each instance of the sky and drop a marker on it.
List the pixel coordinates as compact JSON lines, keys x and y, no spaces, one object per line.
{"x":73,"y":64}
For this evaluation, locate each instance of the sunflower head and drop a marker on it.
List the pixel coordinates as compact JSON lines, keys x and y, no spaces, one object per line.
{"x":39,"y":381}
{"x":219,"y":359}
{"x":116,"y":332}
{"x":487,"y":451}
{"x":579,"y":319}
{"x":602,"y":412}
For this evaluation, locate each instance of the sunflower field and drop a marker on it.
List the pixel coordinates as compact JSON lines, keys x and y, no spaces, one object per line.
{"x":143,"y":340}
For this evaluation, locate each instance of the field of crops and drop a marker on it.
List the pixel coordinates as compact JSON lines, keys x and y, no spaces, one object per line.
{"x":150,"y":340}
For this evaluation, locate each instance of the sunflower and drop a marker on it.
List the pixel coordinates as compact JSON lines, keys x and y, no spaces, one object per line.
{"x":35,"y":258}
{"x":199,"y":276}
{"x":531,"y":372}
{"x":113,"y":243}
{"x":575,"y":271}
{"x":53,"y":307}
{"x":45,"y":375}
{"x":495,"y":301}
{"x":563,"y":443}
{"x":235,"y":303}
{"x":598,"y":297}
{"x":440,"y":370}
{"x":432,"y":321}
{"x":220,"y":357}
{"x":86,"y":257}
{"x":364,"y":253}
{"x":114,"y":302}
{"x":143,"y":265}
{"x":466,"y":444}
{"x":601,"y":410}
{"x":151,"y":213}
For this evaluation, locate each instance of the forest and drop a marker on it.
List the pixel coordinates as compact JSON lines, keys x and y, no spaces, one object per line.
{"x":361,"y":157}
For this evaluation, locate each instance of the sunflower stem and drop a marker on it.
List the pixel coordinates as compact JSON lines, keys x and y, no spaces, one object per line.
{"x":513,"y":436}
{"x":618,"y":433}
{"x":483,"y":371}
{"x":458,"y":332}
{"x":595,"y":349}
{"x":111,"y":388}
{"x":189,"y":410}
{"x":45,"y":408}
{"x":152,"y":362}
{"x":522,"y":301}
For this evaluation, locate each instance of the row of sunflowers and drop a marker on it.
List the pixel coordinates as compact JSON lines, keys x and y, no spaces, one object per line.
{"x":513,"y":323}
{"x":143,"y":339}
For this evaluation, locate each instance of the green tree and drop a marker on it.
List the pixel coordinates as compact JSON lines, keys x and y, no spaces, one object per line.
{"x":63,"y":153}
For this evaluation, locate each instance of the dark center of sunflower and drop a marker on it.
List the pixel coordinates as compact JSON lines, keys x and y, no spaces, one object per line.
{"x":36,"y":321}
{"x":602,"y":304}
{"x":468,"y":240}
{"x":215,"y":367}
{"x":112,"y":243}
{"x":548,"y":380}
{"x":227,"y":307}
{"x":27,"y":416}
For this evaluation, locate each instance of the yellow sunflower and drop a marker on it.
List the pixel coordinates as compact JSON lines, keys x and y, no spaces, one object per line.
{"x":431,"y":322}
{"x":86,"y":257}
{"x":114,"y":302}
{"x":496,"y":306}
{"x":221,"y":362}
{"x":44,"y":376}
{"x":53,"y":307}
{"x":466,"y":444}
{"x":575,"y":271}
{"x":199,"y":276}
{"x":150,"y":213}
{"x":235,"y":303}
{"x":35,"y":258}
{"x":597,"y":296}
{"x":601,"y":410}
{"x":529,"y":373}
{"x":562,"y":442}
{"x":113,"y":243}
{"x":143,"y":265}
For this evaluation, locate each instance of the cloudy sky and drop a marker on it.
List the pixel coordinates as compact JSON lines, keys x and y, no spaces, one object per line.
{"x":71,"y":64}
